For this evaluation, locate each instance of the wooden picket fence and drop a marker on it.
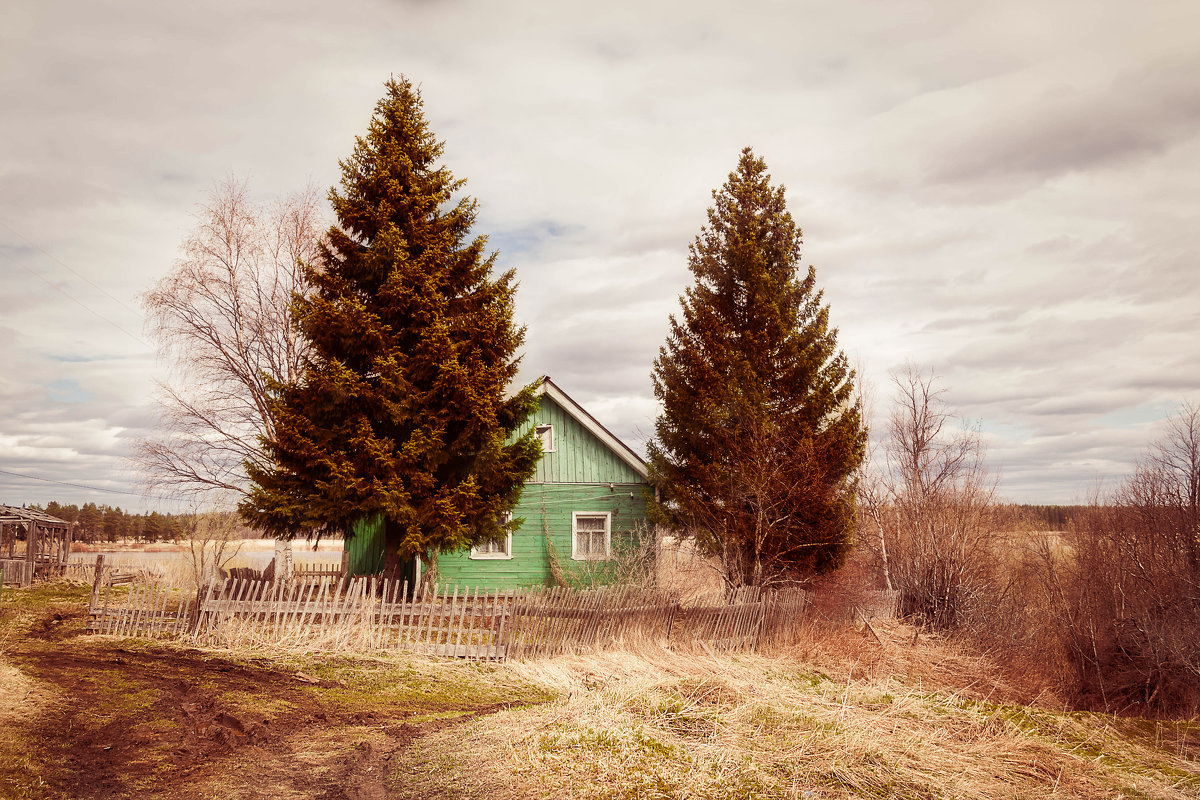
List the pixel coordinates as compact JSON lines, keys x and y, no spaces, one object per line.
{"x":316,"y":570}
{"x":723,"y":622}
{"x":553,"y":621}
{"x":369,"y":613}
{"x":359,"y":613}
{"x":149,"y":610}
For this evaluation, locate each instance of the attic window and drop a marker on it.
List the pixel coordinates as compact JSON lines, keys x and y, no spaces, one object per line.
{"x":545,"y":435}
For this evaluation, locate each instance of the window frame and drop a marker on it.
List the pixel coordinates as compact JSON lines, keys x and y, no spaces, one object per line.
{"x":548,"y":428}
{"x":575,"y":555}
{"x":507,"y":555}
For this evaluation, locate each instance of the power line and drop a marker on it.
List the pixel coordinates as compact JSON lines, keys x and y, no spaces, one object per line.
{"x":65,"y":483}
{"x":78,"y":302}
{"x":62,"y":264}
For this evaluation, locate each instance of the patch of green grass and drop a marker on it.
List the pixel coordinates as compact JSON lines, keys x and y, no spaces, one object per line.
{"x":402,"y":681}
{"x":670,"y":710}
{"x":621,"y":742}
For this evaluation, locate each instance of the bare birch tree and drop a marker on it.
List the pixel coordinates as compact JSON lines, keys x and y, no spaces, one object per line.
{"x":931,"y":504}
{"x":222,"y":320}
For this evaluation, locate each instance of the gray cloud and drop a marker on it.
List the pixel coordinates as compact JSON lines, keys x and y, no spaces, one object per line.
{"x":1006,"y":193}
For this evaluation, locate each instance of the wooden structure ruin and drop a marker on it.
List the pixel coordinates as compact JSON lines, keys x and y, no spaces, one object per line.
{"x":32,"y":544}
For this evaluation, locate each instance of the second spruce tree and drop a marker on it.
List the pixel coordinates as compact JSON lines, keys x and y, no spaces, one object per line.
{"x":760,"y":436}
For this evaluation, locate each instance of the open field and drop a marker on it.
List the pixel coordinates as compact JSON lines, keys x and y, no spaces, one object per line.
{"x":844,"y":715}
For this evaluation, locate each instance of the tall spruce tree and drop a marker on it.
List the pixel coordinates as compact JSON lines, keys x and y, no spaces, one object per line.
{"x":401,"y":409}
{"x":760,"y":435}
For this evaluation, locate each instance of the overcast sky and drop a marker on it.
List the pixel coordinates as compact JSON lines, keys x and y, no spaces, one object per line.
{"x":1006,"y":193}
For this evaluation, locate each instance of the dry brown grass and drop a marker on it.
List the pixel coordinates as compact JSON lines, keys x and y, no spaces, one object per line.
{"x":844,"y":716}
{"x":16,"y":692}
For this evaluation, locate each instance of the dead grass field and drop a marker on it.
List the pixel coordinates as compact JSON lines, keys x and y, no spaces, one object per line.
{"x":848,"y":714}
{"x":922,"y":723}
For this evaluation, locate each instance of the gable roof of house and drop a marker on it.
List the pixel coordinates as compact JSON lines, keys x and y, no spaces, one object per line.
{"x":592,"y":425}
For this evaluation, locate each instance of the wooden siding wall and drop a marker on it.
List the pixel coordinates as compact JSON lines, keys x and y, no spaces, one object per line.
{"x":546,"y":513}
{"x":578,"y":457}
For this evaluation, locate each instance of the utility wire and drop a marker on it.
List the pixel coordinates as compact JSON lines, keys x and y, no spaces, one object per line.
{"x":65,"y":483}
{"x":62,"y":264}
{"x":81,"y":304}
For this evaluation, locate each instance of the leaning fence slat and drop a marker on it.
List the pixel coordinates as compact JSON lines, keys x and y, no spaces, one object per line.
{"x":143,"y":612}
{"x":119,"y":608}
{"x":160,"y":617}
{"x":306,"y":619}
{"x":426,"y":637}
{"x":118,"y":616}
{"x":136,"y":612}
{"x":127,"y":611}
{"x":161,"y":609}
{"x":185,"y":614}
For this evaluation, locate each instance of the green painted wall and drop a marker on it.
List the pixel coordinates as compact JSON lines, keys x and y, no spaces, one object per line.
{"x":365,"y":546}
{"x":365,"y":549}
{"x":546,"y":511}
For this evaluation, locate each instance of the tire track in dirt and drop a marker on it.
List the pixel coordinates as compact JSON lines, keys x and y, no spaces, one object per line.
{"x":165,"y":723}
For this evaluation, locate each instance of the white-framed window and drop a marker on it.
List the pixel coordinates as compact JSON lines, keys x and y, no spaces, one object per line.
{"x":591,"y":535}
{"x":501,"y":549}
{"x":545,"y":435}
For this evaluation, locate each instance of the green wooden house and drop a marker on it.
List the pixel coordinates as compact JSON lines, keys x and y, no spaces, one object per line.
{"x":581,"y":516}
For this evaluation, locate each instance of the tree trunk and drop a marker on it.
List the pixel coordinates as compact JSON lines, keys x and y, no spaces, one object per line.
{"x":431,"y":569}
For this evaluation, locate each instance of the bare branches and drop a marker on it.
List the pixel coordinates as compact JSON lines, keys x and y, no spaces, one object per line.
{"x":770,"y":483}
{"x":213,"y":539}
{"x":1129,"y":596}
{"x":931,"y":504}
{"x":222,"y":319}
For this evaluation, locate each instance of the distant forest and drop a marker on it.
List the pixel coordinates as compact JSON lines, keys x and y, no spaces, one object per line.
{"x":1049,"y":518}
{"x":93,"y":523}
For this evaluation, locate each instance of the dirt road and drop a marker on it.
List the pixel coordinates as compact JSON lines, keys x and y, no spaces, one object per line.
{"x":104,"y":718}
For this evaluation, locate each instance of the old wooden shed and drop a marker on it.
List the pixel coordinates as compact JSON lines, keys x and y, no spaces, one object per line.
{"x":32,"y":543}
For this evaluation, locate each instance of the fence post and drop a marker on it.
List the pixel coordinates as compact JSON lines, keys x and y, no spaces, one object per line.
{"x":96,"y":583}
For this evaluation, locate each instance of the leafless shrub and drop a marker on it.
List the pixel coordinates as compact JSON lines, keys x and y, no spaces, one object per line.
{"x":783,"y":513}
{"x":222,"y":319}
{"x":1127,"y":595}
{"x":632,"y":562}
{"x":929,"y":509}
{"x":213,"y":540}
{"x":682,"y":568}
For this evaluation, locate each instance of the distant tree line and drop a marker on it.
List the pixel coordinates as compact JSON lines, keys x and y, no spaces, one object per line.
{"x":1049,"y":518}
{"x":100,"y":523}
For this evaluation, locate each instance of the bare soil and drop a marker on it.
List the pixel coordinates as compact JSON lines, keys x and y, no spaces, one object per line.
{"x":104,"y":718}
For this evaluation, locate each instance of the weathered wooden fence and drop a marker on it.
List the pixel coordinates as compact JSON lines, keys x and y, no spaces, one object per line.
{"x":149,"y":610}
{"x":17,"y":572}
{"x":375,"y":614}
